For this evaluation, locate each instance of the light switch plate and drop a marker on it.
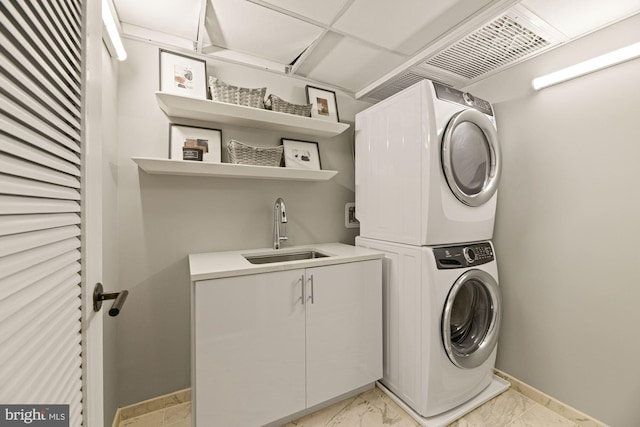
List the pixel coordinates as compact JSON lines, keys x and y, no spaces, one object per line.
{"x":350,"y":220}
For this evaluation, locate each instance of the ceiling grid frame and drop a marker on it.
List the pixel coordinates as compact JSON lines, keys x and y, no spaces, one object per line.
{"x":327,"y":27}
{"x":350,"y":54}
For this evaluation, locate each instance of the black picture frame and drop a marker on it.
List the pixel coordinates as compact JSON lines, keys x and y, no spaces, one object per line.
{"x":301,"y":154}
{"x":324,"y":103}
{"x":182,"y":74}
{"x":213,"y":138}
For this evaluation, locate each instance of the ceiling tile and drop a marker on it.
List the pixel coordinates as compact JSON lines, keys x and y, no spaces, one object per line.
{"x":390,"y":24}
{"x":348,"y":63}
{"x":248,"y":28}
{"x":175,"y":17}
{"x":321,"y":11}
{"x":593,"y":14}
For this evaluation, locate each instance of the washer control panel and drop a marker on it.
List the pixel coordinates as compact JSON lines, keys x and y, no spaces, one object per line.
{"x":450,"y":94}
{"x":462,"y":256}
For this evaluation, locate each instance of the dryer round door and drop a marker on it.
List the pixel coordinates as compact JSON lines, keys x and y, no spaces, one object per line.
{"x":471,"y":157}
{"x":471,"y":319}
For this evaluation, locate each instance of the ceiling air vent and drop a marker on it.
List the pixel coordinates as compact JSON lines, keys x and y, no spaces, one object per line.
{"x":497,"y":44}
{"x":474,"y":51}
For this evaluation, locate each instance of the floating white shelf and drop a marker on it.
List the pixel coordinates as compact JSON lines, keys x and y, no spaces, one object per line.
{"x":157,"y":166}
{"x":239,"y":115}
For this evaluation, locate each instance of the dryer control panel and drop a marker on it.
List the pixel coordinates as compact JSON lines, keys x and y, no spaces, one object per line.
{"x":463,"y":98}
{"x":463,"y":256}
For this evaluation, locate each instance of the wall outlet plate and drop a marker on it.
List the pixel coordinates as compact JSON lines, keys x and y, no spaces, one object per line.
{"x":350,"y":220}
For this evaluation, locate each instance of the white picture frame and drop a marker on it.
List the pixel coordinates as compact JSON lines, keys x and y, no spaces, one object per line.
{"x":211,"y":137}
{"x":301,"y":154}
{"x":183,"y":75}
{"x":324,"y":105}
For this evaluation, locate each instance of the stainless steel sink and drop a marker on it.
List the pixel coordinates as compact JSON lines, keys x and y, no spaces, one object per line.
{"x":284,"y":257}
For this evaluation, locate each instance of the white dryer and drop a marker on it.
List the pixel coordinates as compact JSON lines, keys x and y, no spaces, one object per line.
{"x":442,"y":311}
{"x":427,"y":167}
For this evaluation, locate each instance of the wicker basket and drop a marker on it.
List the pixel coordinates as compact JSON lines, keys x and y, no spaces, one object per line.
{"x":244,"y":154}
{"x":277,"y":104}
{"x":223,"y":92}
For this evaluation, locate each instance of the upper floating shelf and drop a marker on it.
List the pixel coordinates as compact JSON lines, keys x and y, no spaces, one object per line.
{"x":156,"y":166}
{"x":239,"y":115}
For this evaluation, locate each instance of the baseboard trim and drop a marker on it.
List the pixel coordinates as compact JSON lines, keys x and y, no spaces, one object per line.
{"x":566,"y":411}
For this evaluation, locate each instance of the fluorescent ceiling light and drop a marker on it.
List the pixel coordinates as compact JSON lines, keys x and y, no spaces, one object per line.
{"x":589,"y":66}
{"x":113,"y":40}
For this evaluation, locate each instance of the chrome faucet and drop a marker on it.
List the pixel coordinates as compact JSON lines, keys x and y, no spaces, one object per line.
{"x":279,"y":218}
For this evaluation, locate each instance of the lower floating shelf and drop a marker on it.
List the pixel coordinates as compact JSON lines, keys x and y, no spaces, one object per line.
{"x":157,"y":166}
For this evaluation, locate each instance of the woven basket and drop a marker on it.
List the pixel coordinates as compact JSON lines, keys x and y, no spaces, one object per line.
{"x":223,"y":92}
{"x":277,"y":104}
{"x":244,"y":154}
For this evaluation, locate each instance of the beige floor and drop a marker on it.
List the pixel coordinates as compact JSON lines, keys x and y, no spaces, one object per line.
{"x":374,"y":409}
{"x":370,"y":409}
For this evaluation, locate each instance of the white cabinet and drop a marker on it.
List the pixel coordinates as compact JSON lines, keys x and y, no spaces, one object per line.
{"x":343,"y":325}
{"x":262,"y":353}
{"x":249,"y":349}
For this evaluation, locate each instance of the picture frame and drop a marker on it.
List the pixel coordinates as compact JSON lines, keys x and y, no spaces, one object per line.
{"x":182,"y":75}
{"x":324,"y":103}
{"x":212,"y":138}
{"x":301,"y":154}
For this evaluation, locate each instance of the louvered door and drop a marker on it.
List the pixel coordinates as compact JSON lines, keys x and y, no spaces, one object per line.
{"x":40,"y":203}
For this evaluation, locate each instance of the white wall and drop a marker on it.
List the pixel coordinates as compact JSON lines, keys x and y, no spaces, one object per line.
{"x":109,"y":227}
{"x":567,"y":228}
{"x":162,"y":219}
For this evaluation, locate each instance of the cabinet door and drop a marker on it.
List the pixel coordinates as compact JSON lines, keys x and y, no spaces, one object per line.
{"x":344,"y":328}
{"x":249,"y":349}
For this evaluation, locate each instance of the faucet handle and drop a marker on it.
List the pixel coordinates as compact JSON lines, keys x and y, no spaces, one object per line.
{"x":282,"y":209}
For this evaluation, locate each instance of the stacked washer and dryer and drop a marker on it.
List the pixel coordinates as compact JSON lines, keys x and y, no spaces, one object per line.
{"x":427,"y":172}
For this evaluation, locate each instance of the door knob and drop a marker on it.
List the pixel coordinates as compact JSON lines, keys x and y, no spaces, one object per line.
{"x":99,"y":296}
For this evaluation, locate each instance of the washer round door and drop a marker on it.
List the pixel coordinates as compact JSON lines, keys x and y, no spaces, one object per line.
{"x":471,"y":319}
{"x":471,"y":157}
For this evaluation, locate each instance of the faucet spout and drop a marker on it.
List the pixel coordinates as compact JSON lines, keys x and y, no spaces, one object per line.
{"x":279,"y":219}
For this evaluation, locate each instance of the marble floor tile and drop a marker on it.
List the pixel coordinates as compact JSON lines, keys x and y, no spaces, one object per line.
{"x":549,"y":402}
{"x":152,"y":419}
{"x":371,"y":409}
{"x":177,"y":414}
{"x":539,"y":416}
{"x":497,"y":412}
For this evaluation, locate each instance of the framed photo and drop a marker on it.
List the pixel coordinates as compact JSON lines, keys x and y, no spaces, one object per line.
{"x":183,"y":75}
{"x":324,"y":104}
{"x":301,"y":154}
{"x":208,"y":140}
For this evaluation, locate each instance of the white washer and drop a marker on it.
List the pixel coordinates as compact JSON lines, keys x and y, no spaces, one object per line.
{"x":427,"y":167}
{"x":442,"y":311}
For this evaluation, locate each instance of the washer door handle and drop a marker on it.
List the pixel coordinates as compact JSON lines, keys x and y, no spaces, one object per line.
{"x":471,"y":354}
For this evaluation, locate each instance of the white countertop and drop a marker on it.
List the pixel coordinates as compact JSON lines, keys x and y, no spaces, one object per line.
{"x":214,"y":265}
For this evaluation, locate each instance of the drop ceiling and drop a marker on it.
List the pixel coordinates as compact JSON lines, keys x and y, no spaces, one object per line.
{"x":370,"y":48}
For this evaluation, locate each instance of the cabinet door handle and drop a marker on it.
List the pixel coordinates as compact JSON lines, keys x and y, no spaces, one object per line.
{"x":304,"y":293}
{"x":311,"y":278}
